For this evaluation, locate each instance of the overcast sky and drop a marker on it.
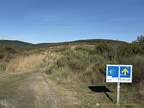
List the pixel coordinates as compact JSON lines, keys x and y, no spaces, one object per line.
{"x":38,"y":21}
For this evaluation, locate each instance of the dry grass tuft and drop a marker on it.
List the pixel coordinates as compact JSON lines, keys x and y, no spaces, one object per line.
{"x":31,"y":62}
{"x":28,"y":63}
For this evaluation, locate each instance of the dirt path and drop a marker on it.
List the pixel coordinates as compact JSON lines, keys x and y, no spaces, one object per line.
{"x":37,"y":94}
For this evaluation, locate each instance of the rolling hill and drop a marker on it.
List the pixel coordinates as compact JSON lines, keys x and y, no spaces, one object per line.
{"x":17,"y":43}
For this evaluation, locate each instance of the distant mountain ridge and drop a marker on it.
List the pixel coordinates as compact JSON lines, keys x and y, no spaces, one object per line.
{"x":17,"y":43}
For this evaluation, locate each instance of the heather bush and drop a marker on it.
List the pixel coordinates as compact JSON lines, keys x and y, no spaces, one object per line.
{"x":138,"y":67}
{"x":80,"y":65}
{"x":129,"y":50}
{"x":2,"y":51}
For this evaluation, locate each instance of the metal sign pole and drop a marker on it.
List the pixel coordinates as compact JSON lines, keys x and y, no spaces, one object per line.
{"x":118,"y":92}
{"x":119,"y":74}
{"x":118,"y":87}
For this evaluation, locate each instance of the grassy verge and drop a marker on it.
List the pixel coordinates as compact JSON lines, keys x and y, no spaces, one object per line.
{"x":76,"y":95}
{"x":13,"y":85}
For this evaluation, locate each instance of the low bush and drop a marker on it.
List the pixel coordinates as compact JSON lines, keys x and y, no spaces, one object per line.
{"x":2,"y":66}
{"x":2,"y":51}
{"x":83,"y":48}
{"x":62,"y":75}
{"x":62,"y":49}
{"x":106,"y":50}
{"x":129,"y":50}
{"x":138,"y":67}
{"x":80,"y":66}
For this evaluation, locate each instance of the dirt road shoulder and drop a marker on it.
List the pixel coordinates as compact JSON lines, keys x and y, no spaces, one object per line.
{"x":33,"y":92}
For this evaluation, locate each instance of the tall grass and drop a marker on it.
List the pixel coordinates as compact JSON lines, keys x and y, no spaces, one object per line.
{"x":30,"y":62}
{"x":25,"y":63}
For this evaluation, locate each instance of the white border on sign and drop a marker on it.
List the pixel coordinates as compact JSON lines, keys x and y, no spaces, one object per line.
{"x":115,"y":80}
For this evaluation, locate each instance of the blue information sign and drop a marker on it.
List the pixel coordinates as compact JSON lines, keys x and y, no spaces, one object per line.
{"x":121,"y":73}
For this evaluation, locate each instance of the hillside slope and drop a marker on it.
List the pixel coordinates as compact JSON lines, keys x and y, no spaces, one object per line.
{"x":16,"y":43}
{"x":79,"y":42}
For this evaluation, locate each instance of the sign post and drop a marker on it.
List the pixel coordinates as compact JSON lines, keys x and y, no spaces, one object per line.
{"x":119,"y":74}
{"x":118,"y":87}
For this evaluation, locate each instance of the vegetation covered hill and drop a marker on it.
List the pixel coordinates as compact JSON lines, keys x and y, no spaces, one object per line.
{"x":79,"y":42}
{"x":16,"y":43}
{"x":10,"y":47}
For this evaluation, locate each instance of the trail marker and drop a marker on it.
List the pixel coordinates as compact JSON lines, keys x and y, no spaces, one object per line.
{"x":119,"y":74}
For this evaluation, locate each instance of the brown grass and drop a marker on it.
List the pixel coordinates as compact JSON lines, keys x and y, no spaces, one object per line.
{"x":30,"y":63}
{"x":27,"y":63}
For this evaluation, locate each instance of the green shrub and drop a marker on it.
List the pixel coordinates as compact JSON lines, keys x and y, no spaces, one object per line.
{"x":129,"y":50}
{"x":80,"y":65}
{"x":105,"y":50}
{"x":2,"y":54}
{"x":76,"y":60}
{"x":102,"y":47}
{"x":9,"y":49}
{"x":138,"y":67}
{"x":2,"y":66}
{"x":2,"y":51}
{"x":63,"y":49}
{"x":62,"y":75}
{"x":82,"y":48}
{"x":50,"y":68}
